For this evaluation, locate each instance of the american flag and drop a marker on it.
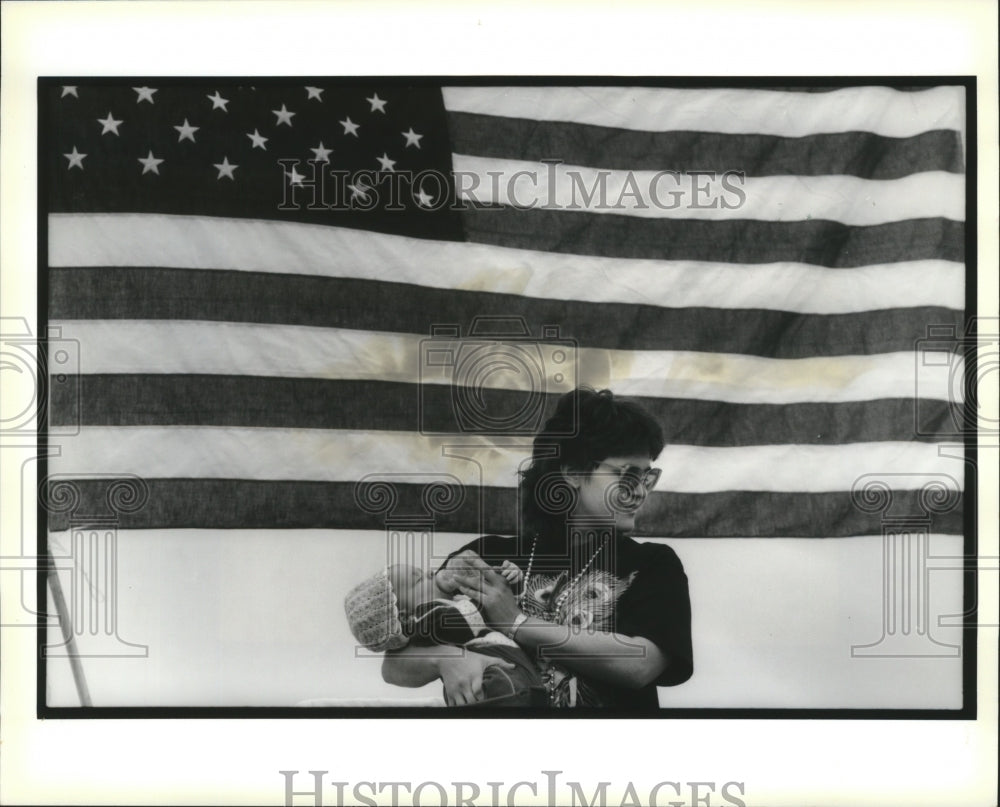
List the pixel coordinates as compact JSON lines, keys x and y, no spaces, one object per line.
{"x":253,"y":345}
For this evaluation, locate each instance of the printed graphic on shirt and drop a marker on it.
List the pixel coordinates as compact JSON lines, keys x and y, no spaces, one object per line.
{"x":588,"y":605}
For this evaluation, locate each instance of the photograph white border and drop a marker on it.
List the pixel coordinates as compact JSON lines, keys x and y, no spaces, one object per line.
{"x":238,"y":761}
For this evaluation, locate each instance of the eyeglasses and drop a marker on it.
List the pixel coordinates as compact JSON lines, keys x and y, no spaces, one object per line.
{"x":634,"y":475}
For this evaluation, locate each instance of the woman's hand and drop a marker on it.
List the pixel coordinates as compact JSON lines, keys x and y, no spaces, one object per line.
{"x":465,"y":560}
{"x":488,"y":588}
{"x":446,"y":575}
{"x":462,"y":677}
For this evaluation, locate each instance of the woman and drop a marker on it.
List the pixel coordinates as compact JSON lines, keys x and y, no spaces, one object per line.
{"x":606,"y":618}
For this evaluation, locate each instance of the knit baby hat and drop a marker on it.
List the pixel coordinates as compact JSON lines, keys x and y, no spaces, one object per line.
{"x":373,"y":614}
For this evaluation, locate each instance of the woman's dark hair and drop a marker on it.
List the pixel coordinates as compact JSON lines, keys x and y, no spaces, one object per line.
{"x":586,"y":428}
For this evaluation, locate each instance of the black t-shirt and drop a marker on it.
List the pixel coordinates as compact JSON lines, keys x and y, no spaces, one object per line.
{"x":631,"y":588}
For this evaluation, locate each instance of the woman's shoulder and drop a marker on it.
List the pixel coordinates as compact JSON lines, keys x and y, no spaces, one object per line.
{"x":654,"y":552}
{"x":487,"y":546}
{"x":502,"y":546}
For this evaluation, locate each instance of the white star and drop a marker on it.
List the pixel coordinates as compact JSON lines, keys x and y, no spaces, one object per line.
{"x":387,"y":164}
{"x":294,"y":177}
{"x":226,"y":168}
{"x":359,"y":190}
{"x":424,"y":199}
{"x":145,"y":94}
{"x":378,"y":105}
{"x":218,"y":102}
{"x":412,"y":138}
{"x":75,"y":159}
{"x":69,"y":89}
{"x":350,"y":127}
{"x":150,"y":163}
{"x":284,"y":116}
{"x":109,"y":124}
{"x":314,"y":92}
{"x":258,"y":140}
{"x":186,"y":131}
{"x":322,"y":154}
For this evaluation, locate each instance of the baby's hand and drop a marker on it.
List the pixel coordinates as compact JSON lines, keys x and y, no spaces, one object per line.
{"x":510,"y":572}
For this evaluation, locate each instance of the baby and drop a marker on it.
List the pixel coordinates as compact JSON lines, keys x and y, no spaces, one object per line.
{"x":404,"y":605}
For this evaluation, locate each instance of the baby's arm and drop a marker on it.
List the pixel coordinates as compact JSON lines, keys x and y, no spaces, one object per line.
{"x":511,"y":573}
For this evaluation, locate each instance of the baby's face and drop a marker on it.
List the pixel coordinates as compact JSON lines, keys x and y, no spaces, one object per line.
{"x":412,"y":586}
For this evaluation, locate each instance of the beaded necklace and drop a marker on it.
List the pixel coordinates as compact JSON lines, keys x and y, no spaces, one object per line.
{"x":564,"y":594}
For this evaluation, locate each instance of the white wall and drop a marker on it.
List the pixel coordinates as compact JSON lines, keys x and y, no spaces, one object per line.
{"x":255,"y":618}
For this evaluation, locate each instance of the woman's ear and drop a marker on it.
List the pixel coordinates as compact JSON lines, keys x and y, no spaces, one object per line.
{"x":571,"y":477}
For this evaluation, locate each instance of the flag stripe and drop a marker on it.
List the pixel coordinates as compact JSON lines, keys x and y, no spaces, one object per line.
{"x":712,"y":197}
{"x":782,"y":336}
{"x":731,"y":111}
{"x":195,"y":242}
{"x":179,"y":294}
{"x":472,"y":459}
{"x":302,"y":403}
{"x":855,"y":153}
{"x":132,"y":346}
{"x":248,"y":504}
{"x":821,"y":243}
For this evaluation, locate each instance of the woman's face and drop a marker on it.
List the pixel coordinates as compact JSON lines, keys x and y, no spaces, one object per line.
{"x":614,"y":489}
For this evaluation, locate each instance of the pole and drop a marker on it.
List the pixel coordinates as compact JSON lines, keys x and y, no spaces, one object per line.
{"x":67,"y":631}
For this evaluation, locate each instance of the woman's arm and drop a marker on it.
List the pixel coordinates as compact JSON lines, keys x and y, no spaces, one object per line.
{"x":413,"y":666}
{"x":626,"y":661}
